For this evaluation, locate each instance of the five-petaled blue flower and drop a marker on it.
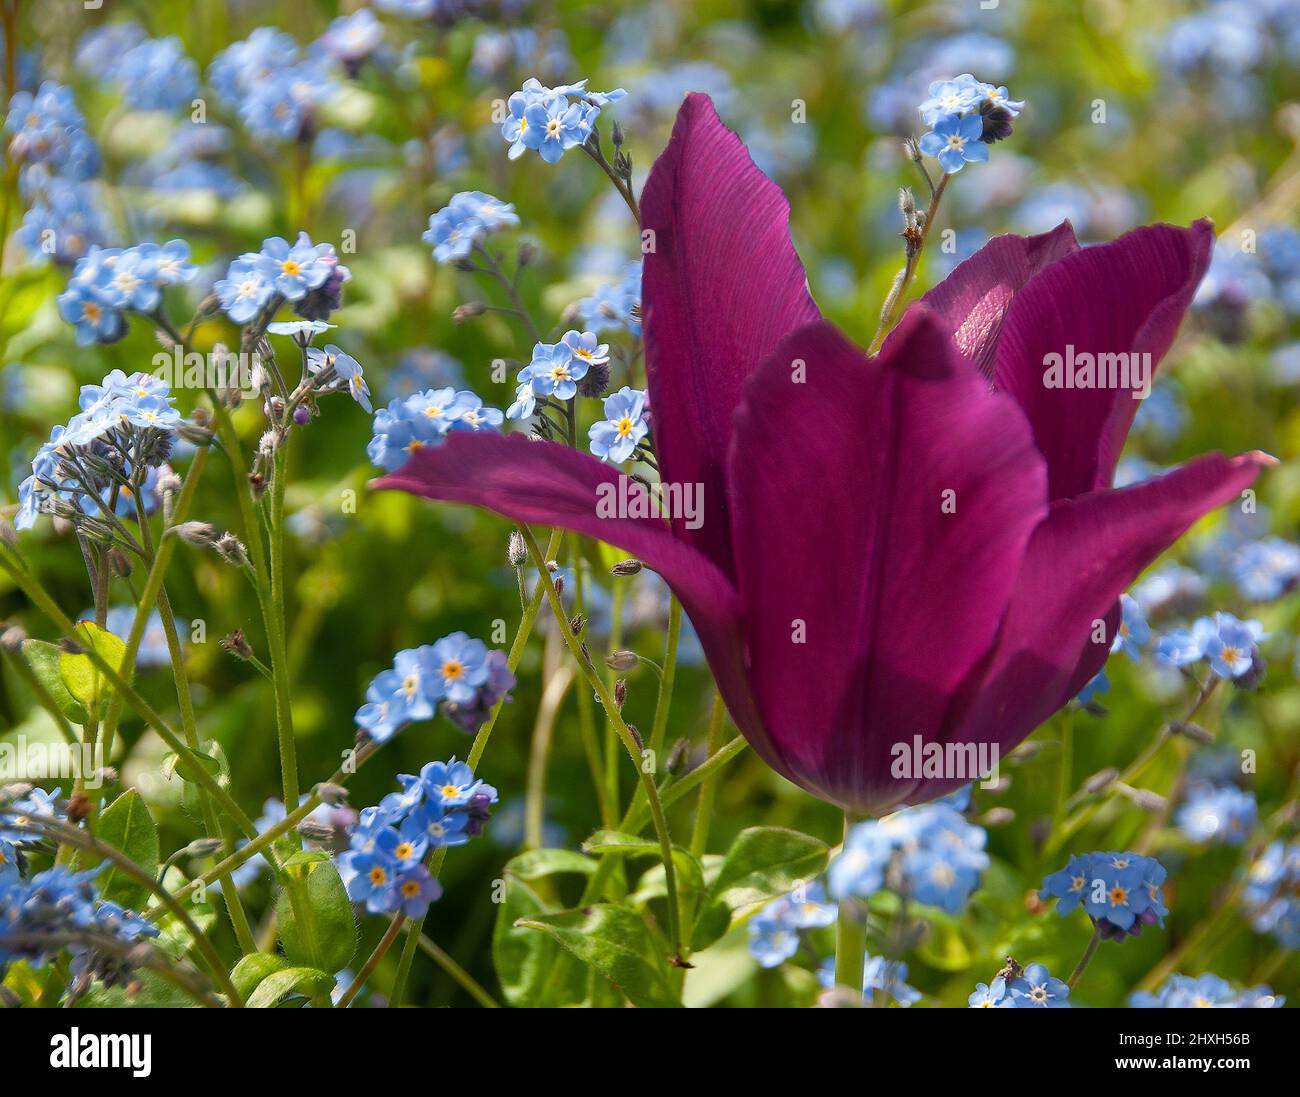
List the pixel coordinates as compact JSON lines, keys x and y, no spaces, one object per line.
{"x":955,"y":141}
{"x":616,"y":437}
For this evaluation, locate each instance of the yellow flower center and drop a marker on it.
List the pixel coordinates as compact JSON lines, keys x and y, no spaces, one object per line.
{"x":378,"y":875}
{"x":403,"y":851}
{"x":453,"y":668}
{"x":291,"y":268}
{"x":411,"y":889}
{"x":1118,"y":896}
{"x":451,"y":790}
{"x":624,"y":427}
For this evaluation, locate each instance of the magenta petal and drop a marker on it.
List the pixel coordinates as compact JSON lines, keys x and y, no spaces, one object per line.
{"x":547,"y":484}
{"x":882,"y":508}
{"x":1087,"y":552}
{"x":721,"y":286}
{"x":1127,"y":297}
{"x":972,"y":302}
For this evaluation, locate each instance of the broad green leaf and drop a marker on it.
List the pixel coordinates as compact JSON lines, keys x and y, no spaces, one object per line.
{"x":153,"y":992}
{"x":539,"y":863}
{"x":81,"y":677}
{"x":527,"y":963}
{"x":317,"y":928}
{"x":309,"y":982}
{"x":764,"y":862}
{"x":610,"y":841}
{"x":127,"y":826}
{"x":710,"y":925}
{"x":615,"y":940}
{"x":253,"y":968}
{"x":43,"y":657}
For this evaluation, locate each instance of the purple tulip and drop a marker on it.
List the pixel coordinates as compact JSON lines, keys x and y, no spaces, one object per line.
{"x":916,"y":543}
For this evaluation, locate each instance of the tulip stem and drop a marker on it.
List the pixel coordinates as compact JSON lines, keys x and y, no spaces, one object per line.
{"x":916,"y":238}
{"x":850,"y":935}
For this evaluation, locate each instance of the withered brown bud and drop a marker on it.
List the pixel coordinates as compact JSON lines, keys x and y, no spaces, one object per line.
{"x":237,"y":644}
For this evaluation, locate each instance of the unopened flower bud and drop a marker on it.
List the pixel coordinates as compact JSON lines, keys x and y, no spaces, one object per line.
{"x":621,"y":659}
{"x":636,"y":736}
{"x":1192,"y":731}
{"x":527,"y":252}
{"x":471,"y":310}
{"x":196,"y":533}
{"x":202,"y":847}
{"x":997,"y":817}
{"x":12,"y":637}
{"x":626,"y":567}
{"x":677,"y":756}
{"x":577,"y":623}
{"x":314,"y":831}
{"x":237,"y":644}
{"x":1100,"y":780}
{"x":516,"y":549}
{"x":331,"y":794}
{"x":231,"y":550}
{"x":119,"y":563}
{"x":620,"y":692}
{"x":1144,"y":798}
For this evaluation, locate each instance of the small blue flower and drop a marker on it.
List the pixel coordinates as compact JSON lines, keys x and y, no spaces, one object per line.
{"x":1206,"y":991}
{"x":554,"y":126}
{"x":879,"y":977}
{"x":440,"y":826}
{"x":370,"y":879}
{"x":951,"y":97}
{"x":996,"y":96}
{"x":449,"y":784}
{"x":1037,"y":989}
{"x":1121,"y":892}
{"x":474,"y":416}
{"x":1095,"y":685}
{"x":413,"y":891}
{"x":989,"y":995}
{"x":525,"y":401}
{"x":617,"y":436}
{"x":247,"y":288}
{"x":584,"y":346}
{"x":1231,"y":650}
{"x":1217,"y":813}
{"x":1069,"y":885}
{"x":555,"y":371}
{"x":1134,"y":632}
{"x":296,"y":268}
{"x":459,"y":662}
{"x":404,"y":847}
{"x":956,"y":141}
{"x":1265,"y":570}
{"x":337,"y":369}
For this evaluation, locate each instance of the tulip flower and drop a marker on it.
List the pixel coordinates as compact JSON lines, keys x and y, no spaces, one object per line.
{"x":925,"y":542}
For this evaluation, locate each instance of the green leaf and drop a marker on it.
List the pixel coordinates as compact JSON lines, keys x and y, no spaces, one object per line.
{"x":711,"y":925}
{"x":153,"y":992}
{"x":43,"y":658}
{"x":611,"y":841}
{"x":81,"y":677}
{"x":127,"y":826}
{"x":764,"y":862}
{"x":537,"y":864}
{"x":615,"y":940}
{"x":253,"y":968}
{"x":526,"y":962}
{"x":309,"y":982}
{"x":314,"y":915}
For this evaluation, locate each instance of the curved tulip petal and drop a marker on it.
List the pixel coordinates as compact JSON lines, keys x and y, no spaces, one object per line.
{"x":1102,"y":306}
{"x":549,"y":484}
{"x":972,"y":302}
{"x":1086,"y":553}
{"x":882,"y":509}
{"x":721,"y":286}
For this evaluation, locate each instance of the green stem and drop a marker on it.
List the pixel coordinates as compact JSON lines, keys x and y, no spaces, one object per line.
{"x":481,"y":737}
{"x":1085,"y":959}
{"x":194,"y":768}
{"x":628,"y":739}
{"x":463,"y":978}
{"x":368,"y":968}
{"x":279,"y":653}
{"x":708,"y":789}
{"x":850,"y":936}
{"x":898,"y":294}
